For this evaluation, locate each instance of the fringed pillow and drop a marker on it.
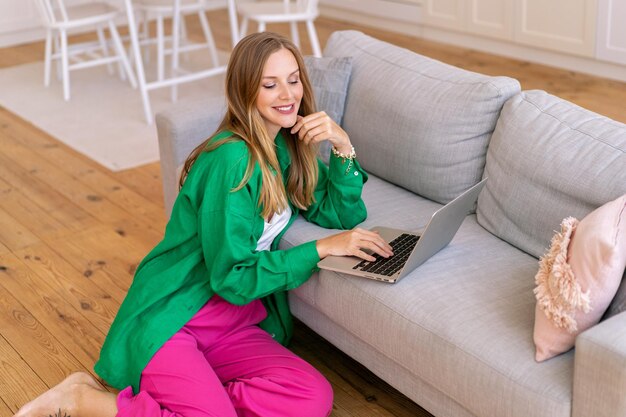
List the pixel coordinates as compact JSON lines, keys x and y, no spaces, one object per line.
{"x":578,"y":277}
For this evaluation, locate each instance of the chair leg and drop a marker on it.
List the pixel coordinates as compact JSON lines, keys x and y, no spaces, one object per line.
{"x":105,"y":49}
{"x":65,"y":66}
{"x":177,"y":17}
{"x":295,"y":36}
{"x":261,"y":26}
{"x":57,"y":51}
{"x":183,"y":29}
{"x":315,"y":43}
{"x":184,"y":38}
{"x":243,"y":29}
{"x":141,"y":80}
{"x":117,"y":42}
{"x":209,"y":38}
{"x":48,"y":58}
{"x":145,"y":30}
{"x":160,"y":48}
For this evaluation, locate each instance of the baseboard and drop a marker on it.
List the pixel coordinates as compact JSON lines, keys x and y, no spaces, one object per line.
{"x":22,"y":37}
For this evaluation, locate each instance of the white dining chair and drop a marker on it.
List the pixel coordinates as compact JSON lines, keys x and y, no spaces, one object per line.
{"x":161,"y":10}
{"x":60,"y":19}
{"x":286,"y":11}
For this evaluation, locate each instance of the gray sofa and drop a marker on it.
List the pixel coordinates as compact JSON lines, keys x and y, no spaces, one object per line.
{"x":455,"y":336}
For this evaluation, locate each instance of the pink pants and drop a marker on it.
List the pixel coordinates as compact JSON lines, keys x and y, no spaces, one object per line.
{"x":221,"y":364}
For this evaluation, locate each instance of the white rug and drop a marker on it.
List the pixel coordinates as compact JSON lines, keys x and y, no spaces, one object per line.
{"x":104,"y":118}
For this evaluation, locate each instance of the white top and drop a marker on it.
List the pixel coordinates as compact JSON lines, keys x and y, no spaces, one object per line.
{"x":273,"y":229}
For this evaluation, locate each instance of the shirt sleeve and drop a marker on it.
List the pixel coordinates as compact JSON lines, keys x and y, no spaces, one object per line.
{"x":338,"y":203}
{"x":237,"y":271}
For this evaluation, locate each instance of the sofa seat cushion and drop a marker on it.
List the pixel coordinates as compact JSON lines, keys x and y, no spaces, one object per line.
{"x":549,"y":159}
{"x":462,"y":321}
{"x":415,"y":121}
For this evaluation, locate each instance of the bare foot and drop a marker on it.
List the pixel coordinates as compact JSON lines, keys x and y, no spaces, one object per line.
{"x":63,"y":397}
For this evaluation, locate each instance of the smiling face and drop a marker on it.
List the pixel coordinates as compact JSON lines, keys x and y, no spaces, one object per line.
{"x":280,"y":92}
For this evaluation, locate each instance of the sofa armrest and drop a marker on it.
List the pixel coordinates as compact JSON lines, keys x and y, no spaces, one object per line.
{"x":180,"y":129}
{"x":600,"y":370}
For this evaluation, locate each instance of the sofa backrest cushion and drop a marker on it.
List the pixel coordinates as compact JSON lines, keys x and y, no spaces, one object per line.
{"x":330,"y":78}
{"x":548,"y":159}
{"x":415,"y":121}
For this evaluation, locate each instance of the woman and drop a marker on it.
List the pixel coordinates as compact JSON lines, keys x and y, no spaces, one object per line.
{"x":200,"y":331}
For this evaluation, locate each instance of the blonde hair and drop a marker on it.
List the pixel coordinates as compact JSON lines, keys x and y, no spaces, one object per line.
{"x":243,"y":80}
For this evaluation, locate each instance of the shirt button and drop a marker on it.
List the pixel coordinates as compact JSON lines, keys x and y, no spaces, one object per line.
{"x":273,"y":335}
{"x":356,"y":173}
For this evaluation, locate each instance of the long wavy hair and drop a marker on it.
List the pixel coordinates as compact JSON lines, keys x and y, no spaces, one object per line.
{"x":243,"y":82}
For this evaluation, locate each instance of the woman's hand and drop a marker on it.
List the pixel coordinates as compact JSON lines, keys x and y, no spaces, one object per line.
{"x":352,"y":243}
{"x":317,"y":127}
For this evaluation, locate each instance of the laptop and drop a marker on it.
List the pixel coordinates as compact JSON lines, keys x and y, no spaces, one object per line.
{"x":410,"y":249}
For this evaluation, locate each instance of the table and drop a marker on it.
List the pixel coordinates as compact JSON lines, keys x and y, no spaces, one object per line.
{"x":173,"y":81}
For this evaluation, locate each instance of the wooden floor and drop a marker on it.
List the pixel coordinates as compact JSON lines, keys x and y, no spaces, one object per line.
{"x":72,"y":234}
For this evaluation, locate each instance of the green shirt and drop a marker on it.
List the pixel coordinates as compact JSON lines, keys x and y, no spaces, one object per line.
{"x":209,"y":247}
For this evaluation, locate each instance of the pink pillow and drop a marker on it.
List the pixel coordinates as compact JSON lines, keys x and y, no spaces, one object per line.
{"x":578,"y":277}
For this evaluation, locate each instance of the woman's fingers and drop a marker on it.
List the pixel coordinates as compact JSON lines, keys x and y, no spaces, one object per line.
{"x":366,"y":239}
{"x":298,"y":125}
{"x":376,"y":246}
{"x":354,"y":243}
{"x":376,"y":239}
{"x":310,"y":121}
{"x":314,"y":135}
{"x":318,"y":127}
{"x":313,"y":128}
{"x":307,"y":122}
{"x":359,"y":253}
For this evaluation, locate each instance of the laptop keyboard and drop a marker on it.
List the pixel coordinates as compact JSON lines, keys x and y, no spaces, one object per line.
{"x":402,"y":247}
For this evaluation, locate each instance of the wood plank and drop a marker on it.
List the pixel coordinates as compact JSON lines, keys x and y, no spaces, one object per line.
{"x":79,"y":291}
{"x":5,"y":188}
{"x":71,"y":329}
{"x":13,"y":234}
{"x":56,"y":205}
{"x":41,"y":175}
{"x":18,"y":382}
{"x":24,"y":138}
{"x":42,"y":170}
{"x":5,"y":411}
{"x":145,"y":181}
{"x":3,"y":249}
{"x":135,"y":228}
{"x":22,"y":54}
{"x":107,"y":258}
{"x":26,"y":212}
{"x":7,"y":194}
{"x":34,"y":343}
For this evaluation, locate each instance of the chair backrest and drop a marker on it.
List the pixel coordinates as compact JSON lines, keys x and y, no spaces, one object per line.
{"x":52,"y":11}
{"x":166,"y":3}
{"x":309,"y":6}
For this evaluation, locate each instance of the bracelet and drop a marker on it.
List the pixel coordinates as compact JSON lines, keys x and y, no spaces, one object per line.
{"x":344,"y":156}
